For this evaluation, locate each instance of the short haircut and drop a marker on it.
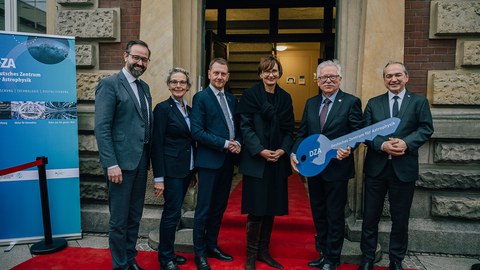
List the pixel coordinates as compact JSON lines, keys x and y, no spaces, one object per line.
{"x":392,"y":62}
{"x":137,"y":42}
{"x":219,"y":60}
{"x":267,"y":63}
{"x":328,"y":63}
{"x":179,"y":70}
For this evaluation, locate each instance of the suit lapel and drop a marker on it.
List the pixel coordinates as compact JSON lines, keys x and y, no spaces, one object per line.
{"x":407,"y":98}
{"x":337,"y":103}
{"x":128,"y":88}
{"x":315,"y":112}
{"x":385,"y":103}
{"x":217,"y":105}
{"x":177,"y":113}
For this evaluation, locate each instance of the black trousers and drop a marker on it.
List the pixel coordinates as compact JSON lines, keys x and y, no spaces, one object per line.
{"x":174,"y":194}
{"x":213,"y":192}
{"x":400,"y":195}
{"x":327,"y":200}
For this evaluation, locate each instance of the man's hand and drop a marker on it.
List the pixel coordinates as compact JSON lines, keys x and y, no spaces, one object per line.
{"x":395,"y":147}
{"x":115,"y":175}
{"x":294,"y":162}
{"x":158,"y":188}
{"x":341,"y":154}
{"x":234,"y":147}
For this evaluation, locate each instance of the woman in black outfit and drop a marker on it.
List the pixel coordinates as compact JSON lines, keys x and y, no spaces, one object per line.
{"x":172,"y":161}
{"x":266,"y":122}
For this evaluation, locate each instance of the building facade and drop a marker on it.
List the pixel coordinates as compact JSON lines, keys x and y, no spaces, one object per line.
{"x":438,"y":40}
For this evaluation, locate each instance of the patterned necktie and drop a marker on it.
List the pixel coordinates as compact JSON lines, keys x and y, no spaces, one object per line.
{"x":395,"y":106}
{"x":223,"y":104}
{"x":144,"y":109}
{"x":323,"y":113}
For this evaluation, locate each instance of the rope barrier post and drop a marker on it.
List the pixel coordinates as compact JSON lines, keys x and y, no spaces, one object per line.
{"x":48,"y":245}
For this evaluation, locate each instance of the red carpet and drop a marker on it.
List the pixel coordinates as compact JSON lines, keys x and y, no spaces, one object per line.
{"x":291,"y":244}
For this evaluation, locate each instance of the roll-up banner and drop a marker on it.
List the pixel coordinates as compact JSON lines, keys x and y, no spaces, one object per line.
{"x":38,"y":117}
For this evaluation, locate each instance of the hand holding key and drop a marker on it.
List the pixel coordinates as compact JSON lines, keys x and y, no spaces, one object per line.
{"x":316,"y":151}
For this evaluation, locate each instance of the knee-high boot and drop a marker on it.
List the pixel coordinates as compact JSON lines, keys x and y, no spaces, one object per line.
{"x":253,"y":238}
{"x":263,"y":253}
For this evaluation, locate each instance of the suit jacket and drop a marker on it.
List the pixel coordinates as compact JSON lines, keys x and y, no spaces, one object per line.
{"x":415,"y":129}
{"x":172,"y":142}
{"x":119,"y":125}
{"x":209,"y":128}
{"x":344,"y":117}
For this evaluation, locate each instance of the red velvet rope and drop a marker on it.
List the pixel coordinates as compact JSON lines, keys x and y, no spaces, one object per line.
{"x":22,"y":167}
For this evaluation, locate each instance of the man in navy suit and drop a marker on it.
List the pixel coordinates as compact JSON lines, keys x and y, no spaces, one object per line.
{"x":332,"y":113}
{"x":391,"y":164}
{"x":213,"y":127}
{"x":123,"y":113}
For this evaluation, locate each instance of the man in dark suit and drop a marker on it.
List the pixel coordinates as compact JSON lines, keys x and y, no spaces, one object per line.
{"x":213,"y":127}
{"x":328,"y":190}
{"x":391,"y":164}
{"x":123,"y":113}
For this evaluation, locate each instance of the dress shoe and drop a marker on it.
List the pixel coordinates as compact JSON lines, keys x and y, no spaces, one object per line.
{"x":218,"y":254}
{"x":135,"y":266}
{"x":395,"y":265}
{"x":202,"y":263}
{"x":329,"y":266}
{"x":180,"y":260}
{"x":171,"y":265}
{"x":366,"y":266}
{"x":318,"y":263}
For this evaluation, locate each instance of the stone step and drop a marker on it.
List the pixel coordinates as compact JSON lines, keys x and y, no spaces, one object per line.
{"x":428,"y":235}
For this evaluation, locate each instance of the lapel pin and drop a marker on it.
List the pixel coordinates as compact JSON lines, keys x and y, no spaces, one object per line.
{"x":339,"y":100}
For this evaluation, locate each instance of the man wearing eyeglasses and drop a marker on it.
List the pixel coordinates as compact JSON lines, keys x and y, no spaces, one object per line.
{"x":332,"y":113}
{"x":123,"y":116}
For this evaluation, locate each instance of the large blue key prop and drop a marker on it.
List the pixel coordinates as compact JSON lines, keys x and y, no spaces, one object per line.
{"x":316,"y":151}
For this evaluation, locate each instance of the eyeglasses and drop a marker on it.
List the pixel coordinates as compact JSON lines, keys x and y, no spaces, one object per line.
{"x":173,"y":83}
{"x":273,"y":72}
{"x":332,"y":78}
{"x":137,"y":58}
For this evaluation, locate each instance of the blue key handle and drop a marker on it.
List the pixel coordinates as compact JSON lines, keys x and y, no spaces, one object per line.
{"x":315,"y":152}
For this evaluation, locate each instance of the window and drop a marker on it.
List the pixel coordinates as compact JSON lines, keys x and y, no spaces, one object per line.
{"x":23,"y":15}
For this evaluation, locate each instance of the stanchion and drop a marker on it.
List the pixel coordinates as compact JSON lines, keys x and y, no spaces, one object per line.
{"x":48,"y":245}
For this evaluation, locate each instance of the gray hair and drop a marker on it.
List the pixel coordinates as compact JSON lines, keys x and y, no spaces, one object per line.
{"x":179,"y":70}
{"x":392,"y":62}
{"x":327,"y":63}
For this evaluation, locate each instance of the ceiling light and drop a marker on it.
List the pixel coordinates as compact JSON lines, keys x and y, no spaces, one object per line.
{"x":281,"y":48}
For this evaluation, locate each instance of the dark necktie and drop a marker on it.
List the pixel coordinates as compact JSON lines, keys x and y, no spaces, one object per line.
{"x":223,"y":104}
{"x":395,"y":106}
{"x":323,"y":113}
{"x":144,"y":109}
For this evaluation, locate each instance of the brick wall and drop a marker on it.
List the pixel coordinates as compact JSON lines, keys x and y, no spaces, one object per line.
{"x":111,"y":53}
{"x":421,"y":53}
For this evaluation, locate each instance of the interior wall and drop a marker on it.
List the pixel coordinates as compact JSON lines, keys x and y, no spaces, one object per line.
{"x":297,"y":63}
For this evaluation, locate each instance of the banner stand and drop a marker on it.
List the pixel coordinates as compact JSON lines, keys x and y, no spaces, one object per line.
{"x":48,"y":245}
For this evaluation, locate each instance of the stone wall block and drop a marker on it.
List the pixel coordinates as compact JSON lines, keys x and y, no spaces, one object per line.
{"x":452,"y":176}
{"x":76,"y":2}
{"x":91,"y":166}
{"x":87,"y":83}
{"x":457,"y":152}
{"x":85,"y":55}
{"x":87,"y":143}
{"x":94,"y":190}
{"x":102,"y":23}
{"x":456,"y":88}
{"x":455,"y":18}
{"x":471,"y":53}
{"x":467,"y":206}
